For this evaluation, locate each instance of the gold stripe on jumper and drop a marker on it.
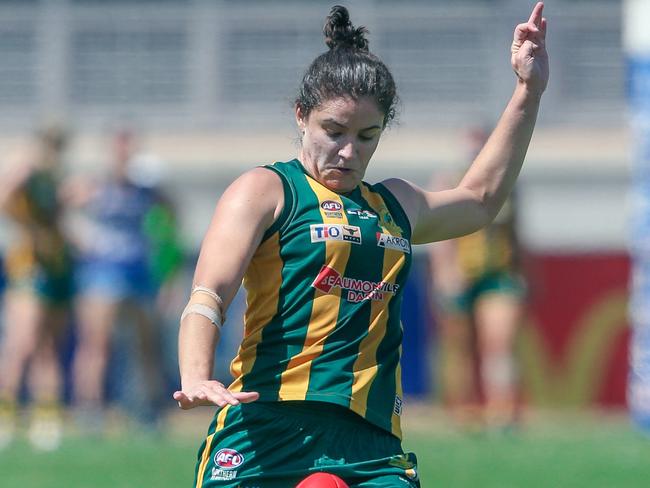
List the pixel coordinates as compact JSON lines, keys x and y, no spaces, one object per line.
{"x":325,"y":307}
{"x":365,"y":367}
{"x":265,"y":272}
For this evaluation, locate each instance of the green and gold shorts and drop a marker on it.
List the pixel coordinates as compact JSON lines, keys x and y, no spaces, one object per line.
{"x":277,"y":444}
{"x":499,"y":283}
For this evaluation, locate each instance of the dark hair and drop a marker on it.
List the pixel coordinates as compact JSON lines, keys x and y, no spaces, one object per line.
{"x":348,"y":69}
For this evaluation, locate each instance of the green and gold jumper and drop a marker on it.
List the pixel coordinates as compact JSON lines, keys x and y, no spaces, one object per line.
{"x":324,"y":293}
{"x":39,"y":260}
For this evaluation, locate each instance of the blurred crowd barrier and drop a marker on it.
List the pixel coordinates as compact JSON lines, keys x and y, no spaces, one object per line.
{"x":200,"y":64}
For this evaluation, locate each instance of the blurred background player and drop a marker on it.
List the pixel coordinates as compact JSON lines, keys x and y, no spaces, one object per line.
{"x":479,"y":305}
{"x":123,"y":240}
{"x":39,"y":288}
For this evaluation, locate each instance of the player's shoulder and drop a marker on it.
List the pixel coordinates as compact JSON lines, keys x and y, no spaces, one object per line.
{"x":396,"y":185}
{"x":258,"y":178}
{"x":405,"y":192}
{"x":256,"y":191}
{"x":408,"y":195}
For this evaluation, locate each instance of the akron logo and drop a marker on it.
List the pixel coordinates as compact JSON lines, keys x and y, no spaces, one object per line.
{"x":393,"y":242}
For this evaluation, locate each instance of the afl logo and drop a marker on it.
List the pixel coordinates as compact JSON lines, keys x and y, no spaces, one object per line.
{"x":331,"y":206}
{"x":228,"y":459}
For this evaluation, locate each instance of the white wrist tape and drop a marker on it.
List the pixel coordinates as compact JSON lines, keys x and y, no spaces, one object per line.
{"x":213,"y":313}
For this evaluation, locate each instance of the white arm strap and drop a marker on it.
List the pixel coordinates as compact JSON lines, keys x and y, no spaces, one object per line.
{"x":213,"y":314}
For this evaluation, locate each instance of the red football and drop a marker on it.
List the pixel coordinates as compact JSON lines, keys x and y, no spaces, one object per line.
{"x":322,"y":480}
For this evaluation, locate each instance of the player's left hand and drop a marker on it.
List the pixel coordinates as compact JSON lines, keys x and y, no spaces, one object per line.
{"x":529,"y":57}
{"x":211,"y":392}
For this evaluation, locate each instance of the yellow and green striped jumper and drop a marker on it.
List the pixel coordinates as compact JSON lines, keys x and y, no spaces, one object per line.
{"x":324,"y":297}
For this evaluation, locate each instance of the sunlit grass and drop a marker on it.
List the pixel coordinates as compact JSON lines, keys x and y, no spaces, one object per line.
{"x":551,"y":450}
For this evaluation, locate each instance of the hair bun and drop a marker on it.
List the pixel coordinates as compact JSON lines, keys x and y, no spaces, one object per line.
{"x":339,"y":31}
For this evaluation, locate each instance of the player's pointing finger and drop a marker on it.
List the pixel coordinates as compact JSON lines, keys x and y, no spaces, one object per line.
{"x":536,"y":15}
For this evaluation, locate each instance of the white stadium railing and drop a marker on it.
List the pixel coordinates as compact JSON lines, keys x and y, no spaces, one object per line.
{"x":214,"y":64}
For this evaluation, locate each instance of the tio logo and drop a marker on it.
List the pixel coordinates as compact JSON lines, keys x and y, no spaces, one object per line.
{"x":228,"y":459}
{"x":335,"y":232}
{"x":326,"y":231}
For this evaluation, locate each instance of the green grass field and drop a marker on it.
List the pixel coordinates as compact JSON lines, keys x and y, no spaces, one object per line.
{"x":553,"y":450}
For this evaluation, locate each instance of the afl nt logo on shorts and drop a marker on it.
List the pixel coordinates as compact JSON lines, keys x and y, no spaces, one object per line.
{"x":226,"y":460}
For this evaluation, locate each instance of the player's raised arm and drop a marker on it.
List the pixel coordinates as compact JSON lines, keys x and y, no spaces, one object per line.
{"x":482,"y":191}
{"x":247,"y":208}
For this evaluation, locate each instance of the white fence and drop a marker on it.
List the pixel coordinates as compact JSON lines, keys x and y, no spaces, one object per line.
{"x":213,"y":64}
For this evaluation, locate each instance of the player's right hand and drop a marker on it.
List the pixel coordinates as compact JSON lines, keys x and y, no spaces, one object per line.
{"x":211,"y":392}
{"x":529,"y":57}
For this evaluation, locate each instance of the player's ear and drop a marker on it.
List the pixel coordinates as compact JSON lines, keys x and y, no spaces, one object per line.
{"x":301,"y":119}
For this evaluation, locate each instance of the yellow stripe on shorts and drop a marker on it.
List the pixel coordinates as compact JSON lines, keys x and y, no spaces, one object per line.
{"x":205,"y":457}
